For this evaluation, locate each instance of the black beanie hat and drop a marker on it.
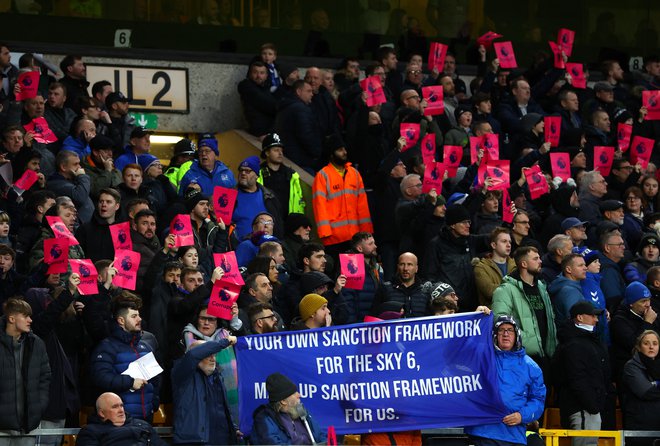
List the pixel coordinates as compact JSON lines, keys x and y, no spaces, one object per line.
{"x":279,"y":387}
{"x":193,"y":197}
{"x":456,"y":214}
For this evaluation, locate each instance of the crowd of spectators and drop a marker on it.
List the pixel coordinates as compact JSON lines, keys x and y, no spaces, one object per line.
{"x":472,"y":243}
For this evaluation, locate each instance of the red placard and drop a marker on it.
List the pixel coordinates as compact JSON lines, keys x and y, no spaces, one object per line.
{"x":88,"y":276}
{"x":127,"y":264}
{"x":227,"y":261}
{"x":603,"y":157}
{"x":491,"y":144}
{"x":42,"y":133}
{"x":437,"y":54}
{"x":623,"y":134}
{"x":60,"y":230}
{"x":498,"y":171}
{"x":428,"y":148}
{"x":561,"y":165}
{"x":224,"y":200}
{"x":352,"y":266}
{"x":552,"y":130}
{"x":29,"y":82}
{"x":651,"y":100}
{"x":640,"y":151}
{"x":374,"y":89}
{"x":487,"y":39}
{"x":410,"y":131}
{"x":182,"y":229}
{"x":121,"y":236}
{"x":536,"y":182}
{"x":475,"y":146}
{"x":56,"y":255}
{"x":26,"y":180}
{"x":565,"y":39}
{"x":452,"y":159}
{"x":504,"y":52}
{"x":507,"y":214}
{"x":558,"y":59}
{"x":433,"y":176}
{"x":223,"y":296}
{"x":434,"y":100}
{"x":576,"y":70}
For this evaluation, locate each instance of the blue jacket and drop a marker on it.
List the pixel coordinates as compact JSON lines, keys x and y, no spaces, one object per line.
{"x":592,"y":292}
{"x":126,"y":158}
{"x":78,"y":146}
{"x":191,"y":390}
{"x":564,"y":293}
{"x":220,"y":176}
{"x":245,"y":252}
{"x":267,"y":429}
{"x":612,"y":283}
{"x":522,"y":390}
{"x":110,"y":358}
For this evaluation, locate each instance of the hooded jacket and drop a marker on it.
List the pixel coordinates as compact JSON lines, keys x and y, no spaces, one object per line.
{"x":564,"y":293}
{"x":219,"y":176}
{"x":268,"y":429}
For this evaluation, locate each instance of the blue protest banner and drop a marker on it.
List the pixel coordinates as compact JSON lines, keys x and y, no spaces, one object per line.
{"x":376,"y":377}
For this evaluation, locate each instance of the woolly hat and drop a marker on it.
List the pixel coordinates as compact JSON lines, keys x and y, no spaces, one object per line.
{"x":146,"y":161}
{"x":100,"y":142}
{"x":192,"y":198}
{"x":279,"y":387}
{"x":647,"y":240}
{"x":295,"y":221}
{"x":309,"y":304}
{"x":458,"y":111}
{"x":331,"y":143}
{"x":441,"y":289}
{"x":456,"y":214}
{"x":251,"y":162}
{"x":636,"y":291}
{"x":529,"y":121}
{"x":211,"y":143}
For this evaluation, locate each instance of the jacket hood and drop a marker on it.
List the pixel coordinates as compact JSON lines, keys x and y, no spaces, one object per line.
{"x":561,"y":281}
{"x":312,"y":280}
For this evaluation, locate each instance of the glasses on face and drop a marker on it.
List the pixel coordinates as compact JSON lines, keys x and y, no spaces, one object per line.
{"x":266,"y":222}
{"x":617,"y":244}
{"x":208,"y":319}
{"x":272,"y":316}
{"x":414,"y":72}
{"x":506,"y":330}
{"x":633,"y":198}
{"x":413,"y":97}
{"x":523,"y":222}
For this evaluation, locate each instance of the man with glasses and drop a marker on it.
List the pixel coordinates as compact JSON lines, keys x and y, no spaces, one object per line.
{"x":206,"y":170}
{"x":622,"y":176}
{"x":263,"y":318}
{"x":520,"y":229}
{"x":262,"y":231}
{"x":612,"y":251}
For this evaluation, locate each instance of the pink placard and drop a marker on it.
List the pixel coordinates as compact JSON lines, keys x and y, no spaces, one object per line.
{"x":434,"y":100}
{"x":29,"y":82}
{"x":558,"y":59}
{"x":428,"y":148}
{"x":536,"y":181}
{"x":223,"y":296}
{"x":227,"y":261}
{"x":623,"y":134}
{"x":182,"y":229}
{"x":487,"y":39}
{"x":121,"y":236}
{"x":565,"y":39}
{"x":88,"y":275}
{"x":374,"y":89}
{"x":552,"y":130}
{"x":576,"y":70}
{"x":42,"y":133}
{"x":352,"y":266}
{"x":651,"y":100}
{"x":26,"y":180}
{"x":437,"y":54}
{"x":433,"y":176}
{"x":504,"y":52}
{"x":224,"y":200}
{"x":56,"y":255}
{"x":498,"y":171}
{"x":507,"y":214}
{"x":603,"y":157}
{"x":60,"y":230}
{"x":561,"y":165}
{"x":475,"y":146}
{"x":640,"y":151}
{"x":491,"y":144}
{"x":410,"y":131}
{"x":452,"y":159}
{"x":127,"y":264}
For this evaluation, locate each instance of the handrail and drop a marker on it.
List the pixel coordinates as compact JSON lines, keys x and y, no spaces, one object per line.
{"x":552,"y":435}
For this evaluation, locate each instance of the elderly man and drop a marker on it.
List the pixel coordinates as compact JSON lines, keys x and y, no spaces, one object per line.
{"x":521,"y":388}
{"x":593,"y":187}
{"x":207,"y":171}
{"x":71,"y":181}
{"x":111,"y":426}
{"x":284,"y":420}
{"x":201,"y":411}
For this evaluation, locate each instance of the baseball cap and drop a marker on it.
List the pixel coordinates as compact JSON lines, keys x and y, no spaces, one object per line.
{"x":115,"y":96}
{"x":611,"y":205}
{"x":603,"y":86}
{"x":139,"y":132}
{"x":585,"y":307}
{"x":572,"y":222}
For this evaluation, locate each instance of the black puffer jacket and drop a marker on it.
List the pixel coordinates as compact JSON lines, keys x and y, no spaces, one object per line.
{"x":134,"y":432}
{"x":36,"y":380}
{"x":414,"y":299}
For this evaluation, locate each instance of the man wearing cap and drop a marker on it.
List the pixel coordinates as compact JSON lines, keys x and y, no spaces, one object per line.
{"x":284,"y":419}
{"x":648,"y":256}
{"x":565,"y":290}
{"x":208,"y":235}
{"x":637,"y":312}
{"x":206,"y":170}
{"x":460,"y":134}
{"x":583,"y":373}
{"x":184,"y":152}
{"x":406,"y":288}
{"x":281,"y":179}
{"x":603,"y":100}
{"x":122,"y":124}
{"x":575,"y":229}
{"x":259,"y":105}
{"x":100,"y":166}
{"x":314,"y":313}
{"x":339,"y":200}
{"x":491,"y":269}
{"x":139,"y":144}
{"x":297,"y":229}
{"x":254,"y":198}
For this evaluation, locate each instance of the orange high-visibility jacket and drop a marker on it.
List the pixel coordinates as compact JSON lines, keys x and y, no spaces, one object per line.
{"x":340,"y":205}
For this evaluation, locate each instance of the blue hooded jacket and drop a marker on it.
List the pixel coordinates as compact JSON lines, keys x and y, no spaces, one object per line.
{"x":220,"y":176}
{"x":592,"y":293}
{"x":564,"y":293}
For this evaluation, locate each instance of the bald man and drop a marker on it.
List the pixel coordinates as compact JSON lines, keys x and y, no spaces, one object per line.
{"x":112,"y":426}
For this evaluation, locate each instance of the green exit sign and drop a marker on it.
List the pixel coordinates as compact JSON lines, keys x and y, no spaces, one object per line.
{"x":146,"y":120}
